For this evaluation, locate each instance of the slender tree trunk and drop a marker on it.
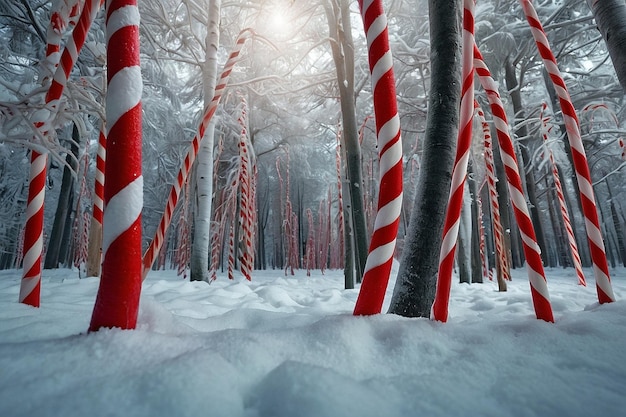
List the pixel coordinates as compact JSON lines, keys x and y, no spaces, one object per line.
{"x":476,"y":264}
{"x":463,"y":254}
{"x":340,"y":30}
{"x":204,"y":165}
{"x":414,"y":292}
{"x":610,"y":17}
{"x":53,"y":254}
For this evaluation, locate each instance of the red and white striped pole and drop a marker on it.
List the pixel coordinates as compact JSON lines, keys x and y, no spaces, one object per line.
{"x":498,"y":233}
{"x":587,"y":198}
{"x":481,"y":236}
{"x":117,"y":301}
{"x":183,"y":173}
{"x":383,"y":242}
{"x":439,"y":309}
{"x":33,"y":234}
{"x":63,"y":14}
{"x":560,"y":196}
{"x":534,"y":265}
{"x":245,"y":210}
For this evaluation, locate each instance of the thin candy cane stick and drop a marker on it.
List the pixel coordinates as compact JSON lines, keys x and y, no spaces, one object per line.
{"x":498,"y":234}
{"x":559,"y":192}
{"x":534,"y":268}
{"x":166,"y":219}
{"x":587,"y":198}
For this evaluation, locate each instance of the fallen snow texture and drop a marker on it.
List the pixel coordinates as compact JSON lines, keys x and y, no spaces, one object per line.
{"x":288,"y":346}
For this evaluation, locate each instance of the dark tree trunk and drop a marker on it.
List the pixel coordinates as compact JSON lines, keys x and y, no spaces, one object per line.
{"x":414,"y":292}
{"x":477,"y":276}
{"x":340,"y":31}
{"x":610,"y":17}
{"x":54,"y":252}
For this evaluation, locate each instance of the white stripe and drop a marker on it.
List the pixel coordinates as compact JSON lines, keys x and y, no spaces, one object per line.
{"x":122,"y":17}
{"x":388,"y":213}
{"x":27,"y":286}
{"x":388,"y":131}
{"x":538,"y":282}
{"x":33,"y":253}
{"x":121,"y":212}
{"x":380,"y":255}
{"x":123,"y":93}
{"x":603,"y":281}
{"x":377,"y":27}
{"x":594,"y":234}
{"x":390,"y":158}
{"x":384,"y":64}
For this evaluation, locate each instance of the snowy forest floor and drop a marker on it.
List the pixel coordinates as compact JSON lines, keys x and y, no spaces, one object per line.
{"x":289,"y":346}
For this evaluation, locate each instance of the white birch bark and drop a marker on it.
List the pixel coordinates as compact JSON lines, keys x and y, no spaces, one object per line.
{"x":204,"y":160}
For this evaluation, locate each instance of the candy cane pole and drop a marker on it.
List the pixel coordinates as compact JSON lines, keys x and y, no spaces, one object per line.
{"x":117,"y":301}
{"x":564,"y":212}
{"x":587,"y":198}
{"x":383,"y":243}
{"x":498,"y":234}
{"x":536,"y":274}
{"x":183,"y":173}
{"x":33,"y":240}
{"x":439,"y":309}
{"x":63,"y":14}
{"x":33,"y":231}
{"x":245,"y":219}
{"x":95,"y":231}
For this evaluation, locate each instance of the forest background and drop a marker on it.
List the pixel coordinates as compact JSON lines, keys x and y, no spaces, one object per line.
{"x":288,"y":79}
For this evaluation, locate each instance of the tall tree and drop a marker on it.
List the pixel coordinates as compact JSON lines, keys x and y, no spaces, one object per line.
{"x":204,"y":164}
{"x":342,"y":47}
{"x":610,"y":17}
{"x":414,"y":292}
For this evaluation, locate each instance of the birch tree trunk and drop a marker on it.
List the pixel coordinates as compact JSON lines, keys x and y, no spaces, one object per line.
{"x":204,"y":161}
{"x":610,"y":17}
{"x":414,"y":292}
{"x":340,"y":31}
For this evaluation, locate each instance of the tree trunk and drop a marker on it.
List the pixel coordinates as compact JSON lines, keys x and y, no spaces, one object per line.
{"x":610,"y":17}
{"x":414,"y":292}
{"x":340,"y":31}
{"x":53,"y":254}
{"x":464,"y":252}
{"x":204,"y":165}
{"x":476,"y":264}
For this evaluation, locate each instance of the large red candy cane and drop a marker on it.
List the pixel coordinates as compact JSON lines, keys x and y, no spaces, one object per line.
{"x":33,"y":240}
{"x":439,"y":309}
{"x":383,"y":243}
{"x":117,"y":301}
{"x":564,"y":212}
{"x":157,"y":241}
{"x":498,"y":232}
{"x":536,"y":274}
{"x":592,"y":224}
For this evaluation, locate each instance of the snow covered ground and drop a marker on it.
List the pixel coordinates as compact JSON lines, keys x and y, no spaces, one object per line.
{"x":288,"y":346}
